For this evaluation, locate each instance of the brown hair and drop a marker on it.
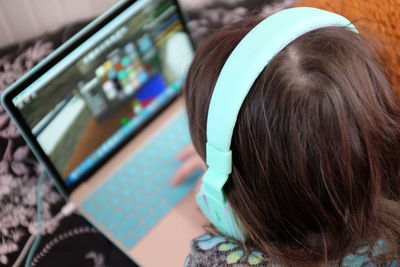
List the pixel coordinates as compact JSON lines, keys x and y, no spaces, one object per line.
{"x":316,"y":146}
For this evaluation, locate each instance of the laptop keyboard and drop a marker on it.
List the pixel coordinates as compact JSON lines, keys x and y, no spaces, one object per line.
{"x":132,"y":200}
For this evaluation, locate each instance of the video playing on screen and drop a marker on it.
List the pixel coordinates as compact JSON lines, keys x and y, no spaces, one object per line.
{"x":82,"y":113}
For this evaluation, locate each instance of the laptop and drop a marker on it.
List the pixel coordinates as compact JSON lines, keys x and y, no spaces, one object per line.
{"x":104,"y":115}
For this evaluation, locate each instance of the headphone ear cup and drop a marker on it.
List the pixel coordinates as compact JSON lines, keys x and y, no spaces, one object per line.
{"x":217,"y":210}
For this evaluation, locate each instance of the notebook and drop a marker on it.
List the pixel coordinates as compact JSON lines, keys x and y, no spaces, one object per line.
{"x":104,"y":115}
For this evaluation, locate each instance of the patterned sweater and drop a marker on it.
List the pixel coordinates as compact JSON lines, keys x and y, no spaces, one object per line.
{"x":209,"y":251}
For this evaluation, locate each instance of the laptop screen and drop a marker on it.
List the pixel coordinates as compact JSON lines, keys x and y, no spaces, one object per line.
{"x":96,"y":97}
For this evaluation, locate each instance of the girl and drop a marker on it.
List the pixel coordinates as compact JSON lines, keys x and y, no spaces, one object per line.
{"x":316,"y":154}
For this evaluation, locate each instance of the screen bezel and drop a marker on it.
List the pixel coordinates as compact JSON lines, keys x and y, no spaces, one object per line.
{"x":50,"y":61}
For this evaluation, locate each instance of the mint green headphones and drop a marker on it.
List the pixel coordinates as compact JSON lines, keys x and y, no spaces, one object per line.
{"x":237,"y":76}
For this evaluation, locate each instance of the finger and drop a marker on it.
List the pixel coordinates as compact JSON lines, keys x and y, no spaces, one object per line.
{"x":186,"y":152}
{"x":198,"y":185}
{"x":191,"y":164}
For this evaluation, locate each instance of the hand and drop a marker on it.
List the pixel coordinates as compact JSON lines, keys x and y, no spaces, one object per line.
{"x":191,"y":162}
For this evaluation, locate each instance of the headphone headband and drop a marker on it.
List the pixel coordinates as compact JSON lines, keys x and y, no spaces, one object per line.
{"x":243,"y":66}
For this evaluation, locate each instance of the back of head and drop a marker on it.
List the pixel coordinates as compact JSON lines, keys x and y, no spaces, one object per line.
{"x":316,"y":146}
